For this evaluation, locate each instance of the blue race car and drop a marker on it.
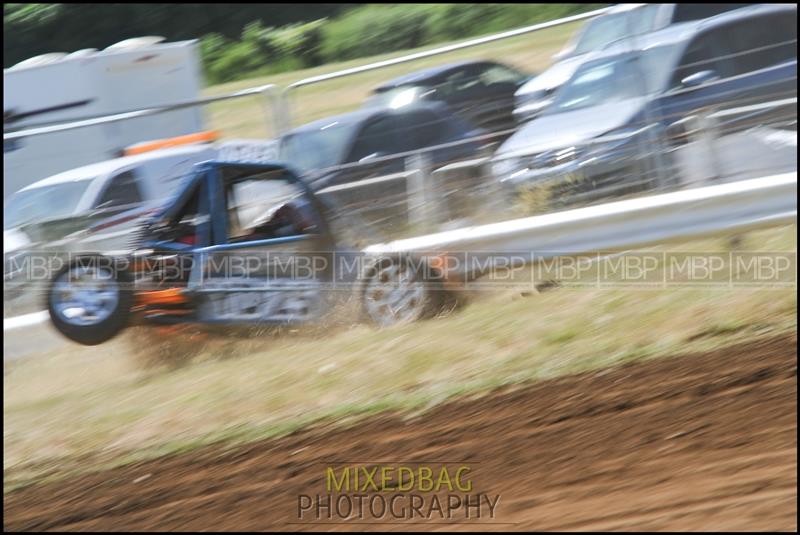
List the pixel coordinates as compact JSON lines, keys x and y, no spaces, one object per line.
{"x":238,"y":243}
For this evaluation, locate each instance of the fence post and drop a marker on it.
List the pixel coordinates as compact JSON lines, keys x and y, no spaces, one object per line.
{"x":421,"y":202}
{"x":283,"y":119}
{"x":274,"y":105}
{"x":707,"y":139}
{"x":697,"y":157}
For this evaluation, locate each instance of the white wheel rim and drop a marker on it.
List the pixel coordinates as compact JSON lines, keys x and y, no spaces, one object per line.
{"x":85,"y":295}
{"x":395,"y":294}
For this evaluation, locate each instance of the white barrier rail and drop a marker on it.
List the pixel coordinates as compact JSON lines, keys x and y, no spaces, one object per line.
{"x":26,"y":320}
{"x":687,"y":214}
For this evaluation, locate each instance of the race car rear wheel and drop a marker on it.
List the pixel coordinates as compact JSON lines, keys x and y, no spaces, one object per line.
{"x":89,"y":301}
{"x":394,"y":291}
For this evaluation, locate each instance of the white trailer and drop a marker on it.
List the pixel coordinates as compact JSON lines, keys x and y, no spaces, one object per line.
{"x":54,"y":88}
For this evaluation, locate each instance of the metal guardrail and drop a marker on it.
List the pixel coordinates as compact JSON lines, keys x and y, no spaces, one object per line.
{"x":698,"y":212}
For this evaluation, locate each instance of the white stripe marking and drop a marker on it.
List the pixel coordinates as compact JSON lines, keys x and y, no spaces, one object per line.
{"x":26,"y":320}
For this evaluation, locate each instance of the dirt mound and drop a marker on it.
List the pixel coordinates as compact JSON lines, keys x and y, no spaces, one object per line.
{"x":691,"y":443}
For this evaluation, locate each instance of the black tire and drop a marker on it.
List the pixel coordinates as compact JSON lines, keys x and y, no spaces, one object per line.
{"x":104,"y":330}
{"x":432,"y":298}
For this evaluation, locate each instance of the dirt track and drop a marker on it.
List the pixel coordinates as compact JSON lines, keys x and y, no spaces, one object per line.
{"x":696,"y":442}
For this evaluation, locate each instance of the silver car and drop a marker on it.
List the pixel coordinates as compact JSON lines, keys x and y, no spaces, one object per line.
{"x":620,"y":22}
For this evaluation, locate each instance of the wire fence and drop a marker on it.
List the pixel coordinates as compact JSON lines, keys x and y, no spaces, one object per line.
{"x":423,"y":191}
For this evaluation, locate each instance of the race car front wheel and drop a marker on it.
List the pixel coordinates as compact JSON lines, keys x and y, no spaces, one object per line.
{"x":89,"y":301}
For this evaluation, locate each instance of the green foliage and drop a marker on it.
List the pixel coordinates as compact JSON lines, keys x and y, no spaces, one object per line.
{"x":237,"y":57}
{"x":375,"y":29}
{"x":18,"y":15}
{"x":262,"y":50}
{"x":454,"y":21}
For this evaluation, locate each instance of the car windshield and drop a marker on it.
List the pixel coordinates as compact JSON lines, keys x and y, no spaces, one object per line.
{"x":45,"y":202}
{"x":612,"y":27}
{"x":308,"y":150}
{"x":614,"y":79}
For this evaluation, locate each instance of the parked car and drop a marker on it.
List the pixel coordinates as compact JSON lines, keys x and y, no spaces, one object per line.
{"x":612,"y":124}
{"x":482,"y":92}
{"x":620,"y":22}
{"x":361,"y":160}
{"x":358,"y":145}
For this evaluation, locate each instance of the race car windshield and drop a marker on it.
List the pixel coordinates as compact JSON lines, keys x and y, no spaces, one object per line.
{"x":43,"y":203}
{"x":309,"y":150}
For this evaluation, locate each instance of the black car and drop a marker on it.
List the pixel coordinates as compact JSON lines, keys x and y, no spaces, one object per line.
{"x":480,"y":91}
{"x":362,"y":158}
